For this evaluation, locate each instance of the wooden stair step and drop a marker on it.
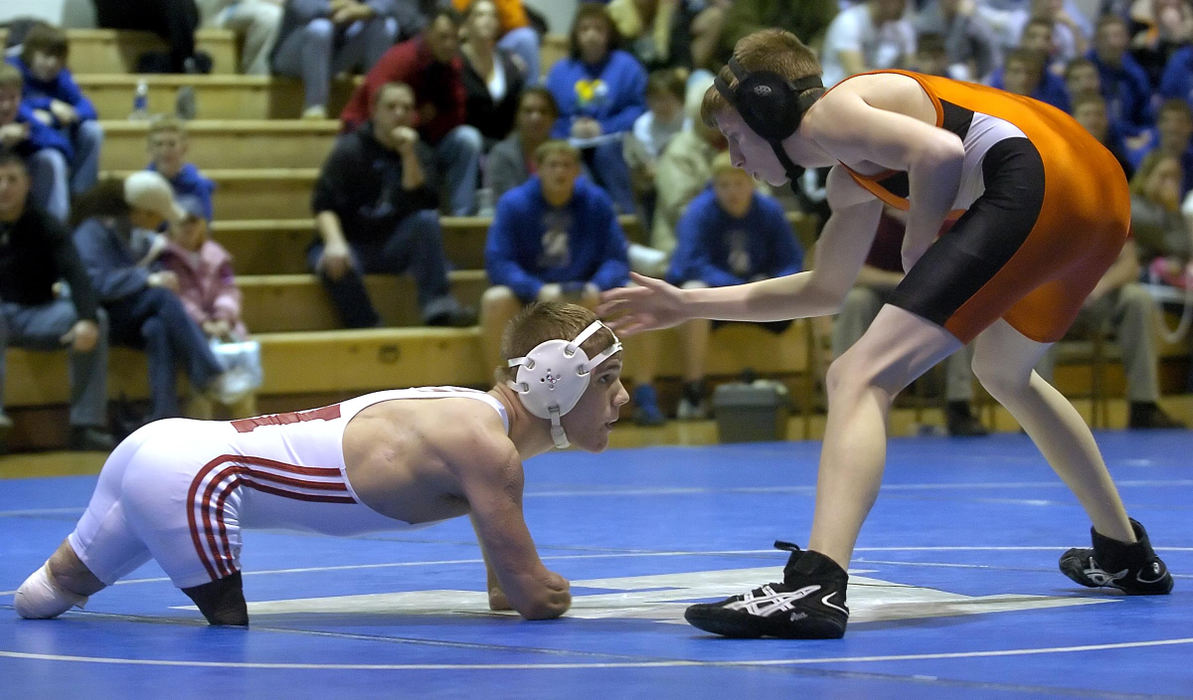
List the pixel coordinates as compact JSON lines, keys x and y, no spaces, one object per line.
{"x":216,"y":96}
{"x":278,"y":246}
{"x":298,"y":302}
{"x":227,"y":143}
{"x":116,"y":50}
{"x":294,"y":363}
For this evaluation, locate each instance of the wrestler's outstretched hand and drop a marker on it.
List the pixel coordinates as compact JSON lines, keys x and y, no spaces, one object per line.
{"x":645,"y":305}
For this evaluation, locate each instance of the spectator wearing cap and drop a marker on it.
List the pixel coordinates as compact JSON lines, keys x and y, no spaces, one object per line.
{"x":35,"y":253}
{"x":116,"y":234}
{"x":203,"y":267}
{"x":207,"y":287}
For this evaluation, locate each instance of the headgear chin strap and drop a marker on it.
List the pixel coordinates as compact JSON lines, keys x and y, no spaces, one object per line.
{"x":555,"y":374}
{"x":772,"y":106}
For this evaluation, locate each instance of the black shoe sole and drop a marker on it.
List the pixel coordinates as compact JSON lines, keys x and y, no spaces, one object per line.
{"x":739,"y":625}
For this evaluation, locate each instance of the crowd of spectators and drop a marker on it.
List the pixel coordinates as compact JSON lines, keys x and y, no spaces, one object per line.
{"x":457,"y":114}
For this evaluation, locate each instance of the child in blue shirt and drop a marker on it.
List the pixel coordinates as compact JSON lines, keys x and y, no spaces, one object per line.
{"x":55,"y":100}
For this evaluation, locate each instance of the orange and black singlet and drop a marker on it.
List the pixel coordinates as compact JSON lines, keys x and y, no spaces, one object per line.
{"x":1043,"y":212}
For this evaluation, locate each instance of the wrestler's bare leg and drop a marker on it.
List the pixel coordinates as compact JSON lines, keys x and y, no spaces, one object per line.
{"x":69,"y":572}
{"x":898,"y":347}
{"x":1003,"y":362}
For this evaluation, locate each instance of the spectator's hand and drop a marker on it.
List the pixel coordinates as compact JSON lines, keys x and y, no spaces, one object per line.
{"x":586,"y":127}
{"x":165,"y":279}
{"x":218,"y":328}
{"x":157,"y":245}
{"x":64,"y":112}
{"x":551,"y":292}
{"x":350,"y":11}
{"x":519,"y":63}
{"x":335,"y":261}
{"x":13,"y":134}
{"x":82,"y":336}
{"x":44,"y":116}
{"x":404,"y":139}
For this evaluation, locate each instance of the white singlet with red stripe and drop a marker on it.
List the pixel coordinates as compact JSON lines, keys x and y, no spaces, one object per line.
{"x":180,"y":490}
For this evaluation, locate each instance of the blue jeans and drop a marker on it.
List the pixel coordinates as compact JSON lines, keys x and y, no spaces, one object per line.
{"x":609,"y":170}
{"x":49,"y":183}
{"x":415,"y":246}
{"x":524,"y":43}
{"x":154,"y":320}
{"x":41,"y":328}
{"x":314,"y":54}
{"x":87,"y":138}
{"x":458,"y":157}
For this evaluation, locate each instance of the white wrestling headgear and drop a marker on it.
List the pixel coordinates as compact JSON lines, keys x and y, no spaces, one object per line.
{"x":555,"y":374}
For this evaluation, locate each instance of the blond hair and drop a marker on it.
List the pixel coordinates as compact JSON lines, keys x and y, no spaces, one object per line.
{"x":722,"y":164}
{"x":164,"y":123}
{"x":775,"y":50}
{"x":555,"y":147}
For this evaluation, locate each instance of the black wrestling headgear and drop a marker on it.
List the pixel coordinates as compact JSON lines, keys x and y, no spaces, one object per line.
{"x":771,"y":105}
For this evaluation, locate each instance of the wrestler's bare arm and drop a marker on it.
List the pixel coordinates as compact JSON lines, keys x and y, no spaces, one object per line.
{"x":492,"y":484}
{"x":888,"y":122}
{"x":844,"y":244}
{"x":840,"y":253}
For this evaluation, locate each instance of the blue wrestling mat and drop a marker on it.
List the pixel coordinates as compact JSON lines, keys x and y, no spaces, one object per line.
{"x":954,"y":589}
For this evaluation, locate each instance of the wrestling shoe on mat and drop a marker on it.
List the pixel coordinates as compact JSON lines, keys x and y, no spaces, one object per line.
{"x":1131,"y":568}
{"x":808,"y":604}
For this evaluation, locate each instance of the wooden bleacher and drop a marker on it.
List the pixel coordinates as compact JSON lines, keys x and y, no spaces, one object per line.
{"x":264,"y":161}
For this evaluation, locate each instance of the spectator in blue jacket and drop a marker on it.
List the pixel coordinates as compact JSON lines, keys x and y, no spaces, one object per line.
{"x":167,"y":156}
{"x":56,"y":100}
{"x":1124,"y":82}
{"x":45,"y":151}
{"x":730,"y":234}
{"x":600,"y":91}
{"x":1177,"y":79}
{"x":554,"y":237}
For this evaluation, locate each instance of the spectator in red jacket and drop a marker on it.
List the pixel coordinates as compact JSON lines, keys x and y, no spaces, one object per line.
{"x":431,"y":64}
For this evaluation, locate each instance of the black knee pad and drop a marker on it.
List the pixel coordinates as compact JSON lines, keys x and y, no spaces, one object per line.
{"x":221,"y":601}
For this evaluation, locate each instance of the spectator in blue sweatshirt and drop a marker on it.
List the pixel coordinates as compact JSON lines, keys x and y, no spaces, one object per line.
{"x":600,"y":91}
{"x":167,"y":153}
{"x":555,"y":237}
{"x":729,"y":234}
{"x":45,"y":151}
{"x":56,"y":100}
{"x":1124,"y":82}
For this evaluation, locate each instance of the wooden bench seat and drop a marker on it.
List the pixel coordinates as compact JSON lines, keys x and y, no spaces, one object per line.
{"x":278,"y":246}
{"x":228,"y":144}
{"x":116,"y":50}
{"x":298,"y":302}
{"x":216,"y":96}
{"x":262,"y":193}
{"x":377,"y":358}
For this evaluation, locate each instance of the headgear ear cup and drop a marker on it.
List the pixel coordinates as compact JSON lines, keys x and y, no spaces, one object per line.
{"x":771,"y":105}
{"x":553,"y":376}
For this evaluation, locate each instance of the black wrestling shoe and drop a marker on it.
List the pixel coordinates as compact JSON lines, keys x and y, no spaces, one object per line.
{"x":1132,"y":568}
{"x":809,"y":604}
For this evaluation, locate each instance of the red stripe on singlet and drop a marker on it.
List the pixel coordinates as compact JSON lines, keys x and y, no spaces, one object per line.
{"x":241,"y":469}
